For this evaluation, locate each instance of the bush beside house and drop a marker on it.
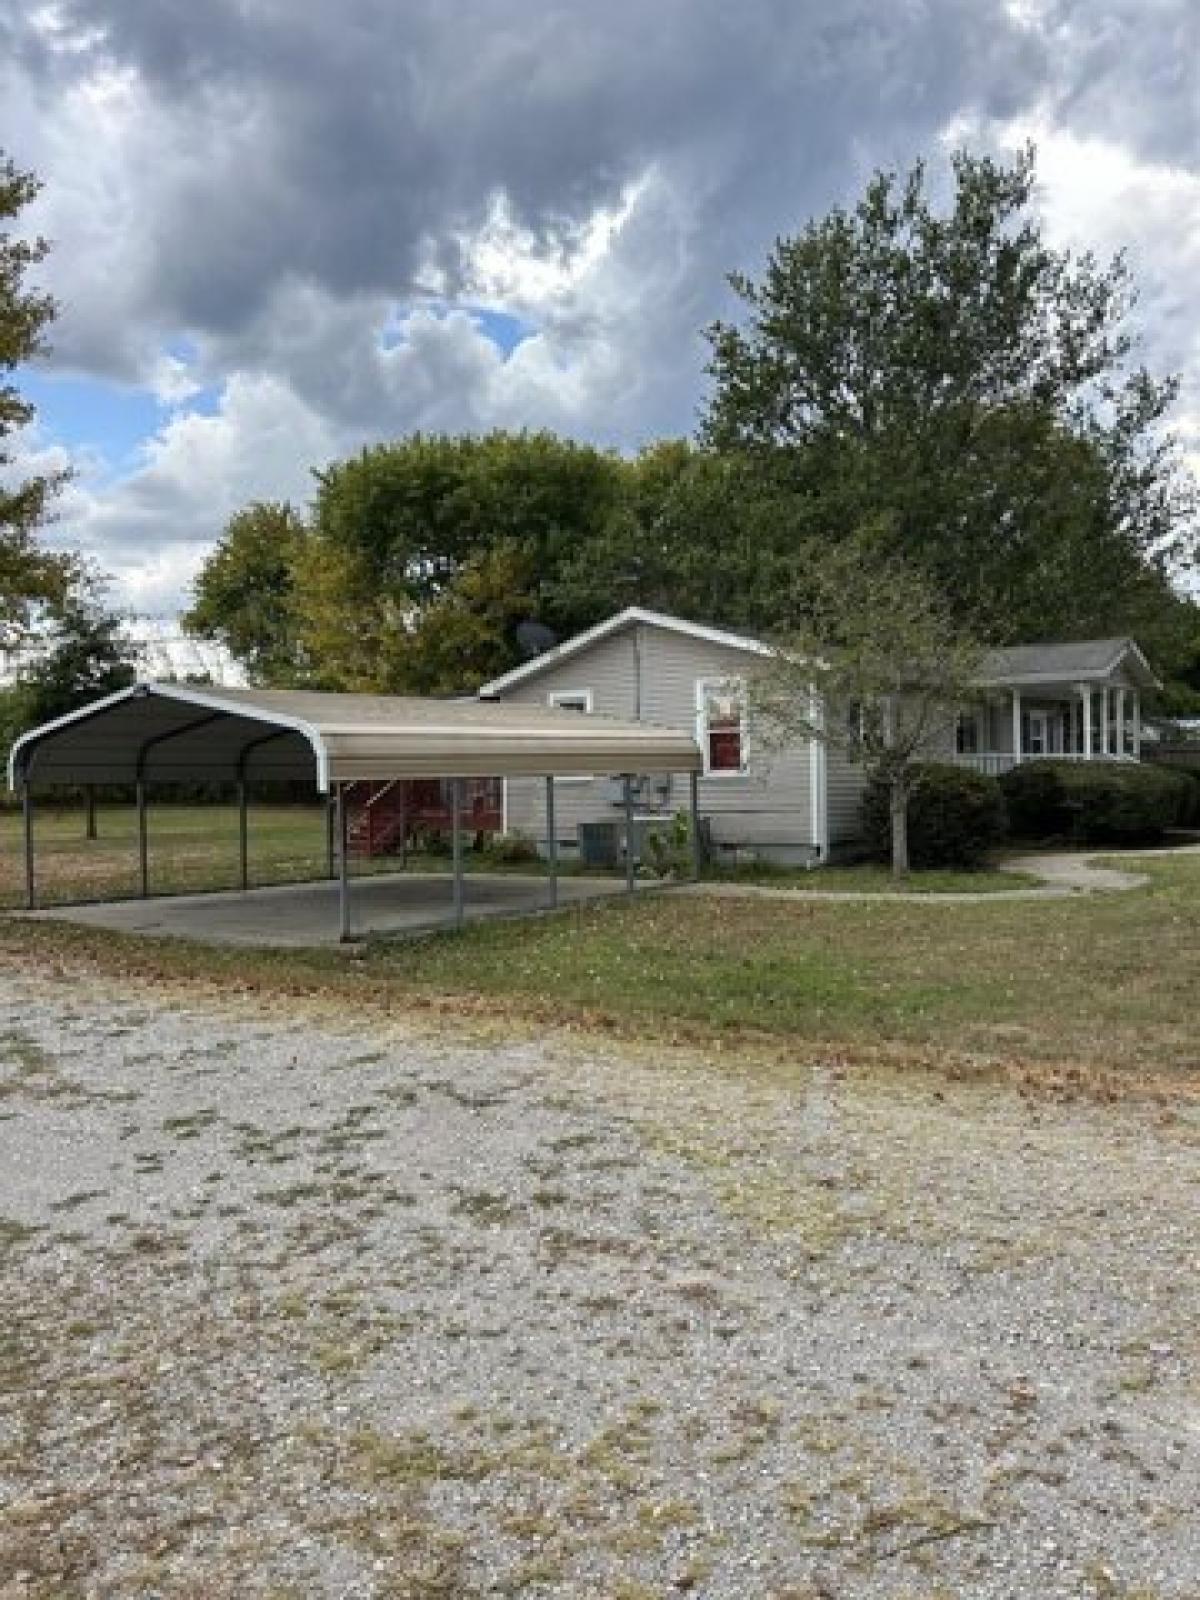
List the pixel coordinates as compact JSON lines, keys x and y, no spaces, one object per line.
{"x":956,"y":818}
{"x":1093,"y":802}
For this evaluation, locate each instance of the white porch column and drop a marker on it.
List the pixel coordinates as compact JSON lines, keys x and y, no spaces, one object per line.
{"x":1120,"y":736}
{"x":1137,"y":725}
{"x":1016,"y":725}
{"x":1085,"y":695}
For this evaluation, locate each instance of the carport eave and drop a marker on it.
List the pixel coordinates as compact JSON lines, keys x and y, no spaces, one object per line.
{"x":28,"y":742}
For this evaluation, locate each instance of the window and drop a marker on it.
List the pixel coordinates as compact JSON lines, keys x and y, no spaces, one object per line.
{"x":721,"y":719}
{"x":966,"y":740}
{"x":572,"y":700}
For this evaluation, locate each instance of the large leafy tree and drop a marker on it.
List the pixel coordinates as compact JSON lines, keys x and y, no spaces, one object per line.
{"x":32,"y":579}
{"x":945,"y":378}
{"x":420,"y":566}
{"x":431,"y":537}
{"x":696,"y":532}
{"x":243,"y":597}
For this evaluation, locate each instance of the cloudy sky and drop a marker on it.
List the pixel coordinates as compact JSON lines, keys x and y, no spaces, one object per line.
{"x":283,"y":228}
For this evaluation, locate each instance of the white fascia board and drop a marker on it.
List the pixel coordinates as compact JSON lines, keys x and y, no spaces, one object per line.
{"x":623,"y":619}
{"x":34,"y":736}
{"x":193,"y":697}
{"x":1134,"y":649}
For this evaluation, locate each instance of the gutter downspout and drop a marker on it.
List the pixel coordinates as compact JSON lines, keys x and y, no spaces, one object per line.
{"x":818,"y":783}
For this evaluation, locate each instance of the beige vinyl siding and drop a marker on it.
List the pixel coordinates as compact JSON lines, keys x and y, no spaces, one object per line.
{"x":844,"y":787}
{"x":650,"y":673}
{"x":769,"y":804}
{"x":609,"y":671}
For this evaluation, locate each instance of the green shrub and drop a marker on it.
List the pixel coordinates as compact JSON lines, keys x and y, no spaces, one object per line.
{"x":1190,"y":817}
{"x":1096,"y":801}
{"x":956,"y":817}
{"x":511,"y":849}
{"x":667,"y":850}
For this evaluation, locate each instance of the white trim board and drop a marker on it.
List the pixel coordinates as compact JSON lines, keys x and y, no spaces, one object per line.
{"x":630,"y":617}
{"x":212,"y":701}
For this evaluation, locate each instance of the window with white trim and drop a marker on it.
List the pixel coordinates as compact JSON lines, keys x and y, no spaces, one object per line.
{"x":572,"y":700}
{"x":721,"y":725}
{"x":967,"y":740}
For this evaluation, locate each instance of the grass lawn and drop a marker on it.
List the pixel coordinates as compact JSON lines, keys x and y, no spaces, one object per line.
{"x":1103,"y":984}
{"x":191,"y":847}
{"x":195,"y":847}
{"x":869,"y":878}
{"x":1105,"y":980}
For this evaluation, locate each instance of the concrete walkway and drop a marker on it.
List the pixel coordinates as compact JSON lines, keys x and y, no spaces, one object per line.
{"x":1063,"y":873}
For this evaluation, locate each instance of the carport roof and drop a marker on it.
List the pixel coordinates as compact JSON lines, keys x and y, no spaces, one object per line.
{"x":174,"y":732}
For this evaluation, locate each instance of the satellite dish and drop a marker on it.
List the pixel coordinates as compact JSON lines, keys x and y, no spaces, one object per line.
{"x":534,"y":639}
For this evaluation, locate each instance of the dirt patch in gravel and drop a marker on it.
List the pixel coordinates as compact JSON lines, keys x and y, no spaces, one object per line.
{"x":292,"y":1309}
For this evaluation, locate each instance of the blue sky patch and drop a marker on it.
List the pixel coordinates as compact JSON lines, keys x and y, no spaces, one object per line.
{"x":112,"y":419}
{"x":90,"y":414}
{"x":505,"y":330}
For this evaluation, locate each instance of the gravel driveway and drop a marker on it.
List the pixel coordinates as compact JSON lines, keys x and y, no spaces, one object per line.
{"x":299,"y":1309}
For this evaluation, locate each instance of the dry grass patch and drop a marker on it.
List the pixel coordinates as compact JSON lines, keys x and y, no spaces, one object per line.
{"x":1090,"y":995}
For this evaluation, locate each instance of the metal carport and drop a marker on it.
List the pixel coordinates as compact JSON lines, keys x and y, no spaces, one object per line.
{"x":162,"y":733}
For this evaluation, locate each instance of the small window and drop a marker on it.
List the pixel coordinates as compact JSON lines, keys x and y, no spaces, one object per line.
{"x":721,"y":708}
{"x":572,"y":700}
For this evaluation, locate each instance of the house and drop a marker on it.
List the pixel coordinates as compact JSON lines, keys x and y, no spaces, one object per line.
{"x":1078,"y":701}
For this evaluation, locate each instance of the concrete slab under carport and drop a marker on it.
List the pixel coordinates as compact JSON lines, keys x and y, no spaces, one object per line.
{"x":302,"y":915}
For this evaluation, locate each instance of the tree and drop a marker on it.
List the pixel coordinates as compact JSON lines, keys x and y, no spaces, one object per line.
{"x":875,"y":665}
{"x":695,"y":532}
{"x":948,"y":379}
{"x":32,"y":579}
{"x":412,"y":538}
{"x":83,"y":657}
{"x":243,"y":596}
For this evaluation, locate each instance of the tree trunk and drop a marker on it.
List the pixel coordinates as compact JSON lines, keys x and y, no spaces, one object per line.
{"x":899,"y":796}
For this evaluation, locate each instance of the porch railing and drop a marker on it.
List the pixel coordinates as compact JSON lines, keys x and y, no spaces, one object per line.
{"x":994,"y":762}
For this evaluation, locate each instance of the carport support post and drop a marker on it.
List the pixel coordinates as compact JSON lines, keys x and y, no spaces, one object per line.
{"x":330,"y":822}
{"x":91,"y":811}
{"x":27,"y":814}
{"x":143,"y":842}
{"x":456,"y":799}
{"x":343,"y":834}
{"x":551,"y":846}
{"x":243,"y":837}
{"x":694,"y":815}
{"x":627,"y":783}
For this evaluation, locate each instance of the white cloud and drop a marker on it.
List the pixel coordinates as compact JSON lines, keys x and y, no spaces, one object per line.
{"x":151,"y":529}
{"x":1096,"y":194}
{"x":271,"y":186}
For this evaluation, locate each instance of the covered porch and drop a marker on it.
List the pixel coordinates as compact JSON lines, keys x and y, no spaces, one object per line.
{"x":1027,"y":712}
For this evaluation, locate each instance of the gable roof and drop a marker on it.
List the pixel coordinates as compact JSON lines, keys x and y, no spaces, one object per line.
{"x":630,"y":617}
{"x":1077,"y":660}
{"x":1081,"y":659}
{"x":168,"y":731}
